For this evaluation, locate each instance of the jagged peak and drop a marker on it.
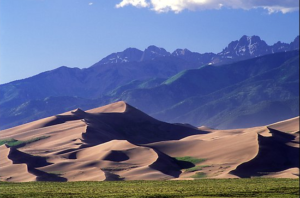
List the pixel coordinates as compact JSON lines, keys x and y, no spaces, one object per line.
{"x":128,"y":55}
{"x":132,"y":49}
{"x":246,"y":40}
{"x":295,"y":44}
{"x":296,"y":39}
{"x":249,"y":38}
{"x":246,"y":46}
{"x":181,"y":52}
{"x":153,"y":52}
{"x":155,"y":49}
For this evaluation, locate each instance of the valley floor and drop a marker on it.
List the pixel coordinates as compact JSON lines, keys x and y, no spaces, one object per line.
{"x":256,"y":187}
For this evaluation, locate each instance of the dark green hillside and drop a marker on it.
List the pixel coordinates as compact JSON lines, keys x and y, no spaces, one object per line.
{"x":136,"y":84}
{"x":269,"y":97}
{"x":206,"y":80}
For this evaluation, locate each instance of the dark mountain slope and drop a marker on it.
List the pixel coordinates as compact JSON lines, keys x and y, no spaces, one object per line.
{"x":262,"y":99}
{"x":88,"y":83}
{"x":203,"y":81}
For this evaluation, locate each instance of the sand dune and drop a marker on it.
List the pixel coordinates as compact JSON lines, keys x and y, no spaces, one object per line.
{"x":119,"y":142}
{"x":13,"y":172}
{"x":289,"y":126}
{"x":274,"y":155}
{"x":118,"y":107}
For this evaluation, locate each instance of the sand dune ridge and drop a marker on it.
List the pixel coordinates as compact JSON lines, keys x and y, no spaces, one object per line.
{"x":119,"y":142}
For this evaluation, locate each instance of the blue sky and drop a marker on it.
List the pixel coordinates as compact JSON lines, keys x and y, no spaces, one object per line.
{"x":40,"y":35}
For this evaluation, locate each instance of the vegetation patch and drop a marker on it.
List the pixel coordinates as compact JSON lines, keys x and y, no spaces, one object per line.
{"x":112,"y":169}
{"x":199,"y":175}
{"x":258,"y":187}
{"x":18,"y":143}
{"x":190,"y":159}
{"x":7,"y":141}
{"x":196,"y":168}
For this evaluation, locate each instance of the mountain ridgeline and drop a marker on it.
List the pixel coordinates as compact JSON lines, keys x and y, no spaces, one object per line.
{"x":249,"y":83}
{"x":245,"y":48}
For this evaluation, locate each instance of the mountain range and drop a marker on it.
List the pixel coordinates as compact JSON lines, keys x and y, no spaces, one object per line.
{"x":247,"y":79}
{"x":244,"y":48}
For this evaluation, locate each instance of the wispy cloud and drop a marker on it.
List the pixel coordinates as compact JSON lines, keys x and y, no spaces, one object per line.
{"x":177,"y":6}
{"x":91,"y":3}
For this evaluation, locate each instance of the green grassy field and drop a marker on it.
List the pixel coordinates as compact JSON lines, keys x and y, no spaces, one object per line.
{"x":151,"y":189}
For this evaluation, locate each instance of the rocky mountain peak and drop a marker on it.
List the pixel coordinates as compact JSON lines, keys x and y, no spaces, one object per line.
{"x":295,"y":44}
{"x":247,"y":46}
{"x":128,"y":55}
{"x":153,"y":52}
{"x":181,"y":52}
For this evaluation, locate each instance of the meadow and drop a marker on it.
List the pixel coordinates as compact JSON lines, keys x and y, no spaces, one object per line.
{"x":256,"y":187}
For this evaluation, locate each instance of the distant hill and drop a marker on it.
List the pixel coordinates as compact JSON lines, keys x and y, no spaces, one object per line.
{"x":142,"y":78}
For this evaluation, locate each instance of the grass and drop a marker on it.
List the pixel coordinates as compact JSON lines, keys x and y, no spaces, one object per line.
{"x":7,"y":141}
{"x":18,"y":143}
{"x":199,"y":175}
{"x":196,"y":168}
{"x":190,"y":159}
{"x":243,"y":188}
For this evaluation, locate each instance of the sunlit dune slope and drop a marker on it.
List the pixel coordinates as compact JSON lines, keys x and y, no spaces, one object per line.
{"x":119,"y":142}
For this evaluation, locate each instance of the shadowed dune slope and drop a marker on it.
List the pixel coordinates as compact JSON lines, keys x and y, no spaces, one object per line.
{"x":119,"y":142}
{"x":276,"y":154}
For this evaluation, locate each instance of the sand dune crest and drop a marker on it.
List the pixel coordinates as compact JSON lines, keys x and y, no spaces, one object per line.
{"x":119,"y":142}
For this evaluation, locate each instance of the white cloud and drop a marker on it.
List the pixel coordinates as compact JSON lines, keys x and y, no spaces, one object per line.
{"x":177,"y":6}
{"x":135,"y":3}
{"x":91,"y":3}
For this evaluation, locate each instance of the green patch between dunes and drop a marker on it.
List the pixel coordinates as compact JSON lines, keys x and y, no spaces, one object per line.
{"x":242,"y":188}
{"x":7,"y":141}
{"x":190,"y":159}
{"x":196,"y":168}
{"x":18,"y":143}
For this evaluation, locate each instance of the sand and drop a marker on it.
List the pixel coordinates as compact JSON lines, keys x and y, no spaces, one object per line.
{"x":119,"y":142}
